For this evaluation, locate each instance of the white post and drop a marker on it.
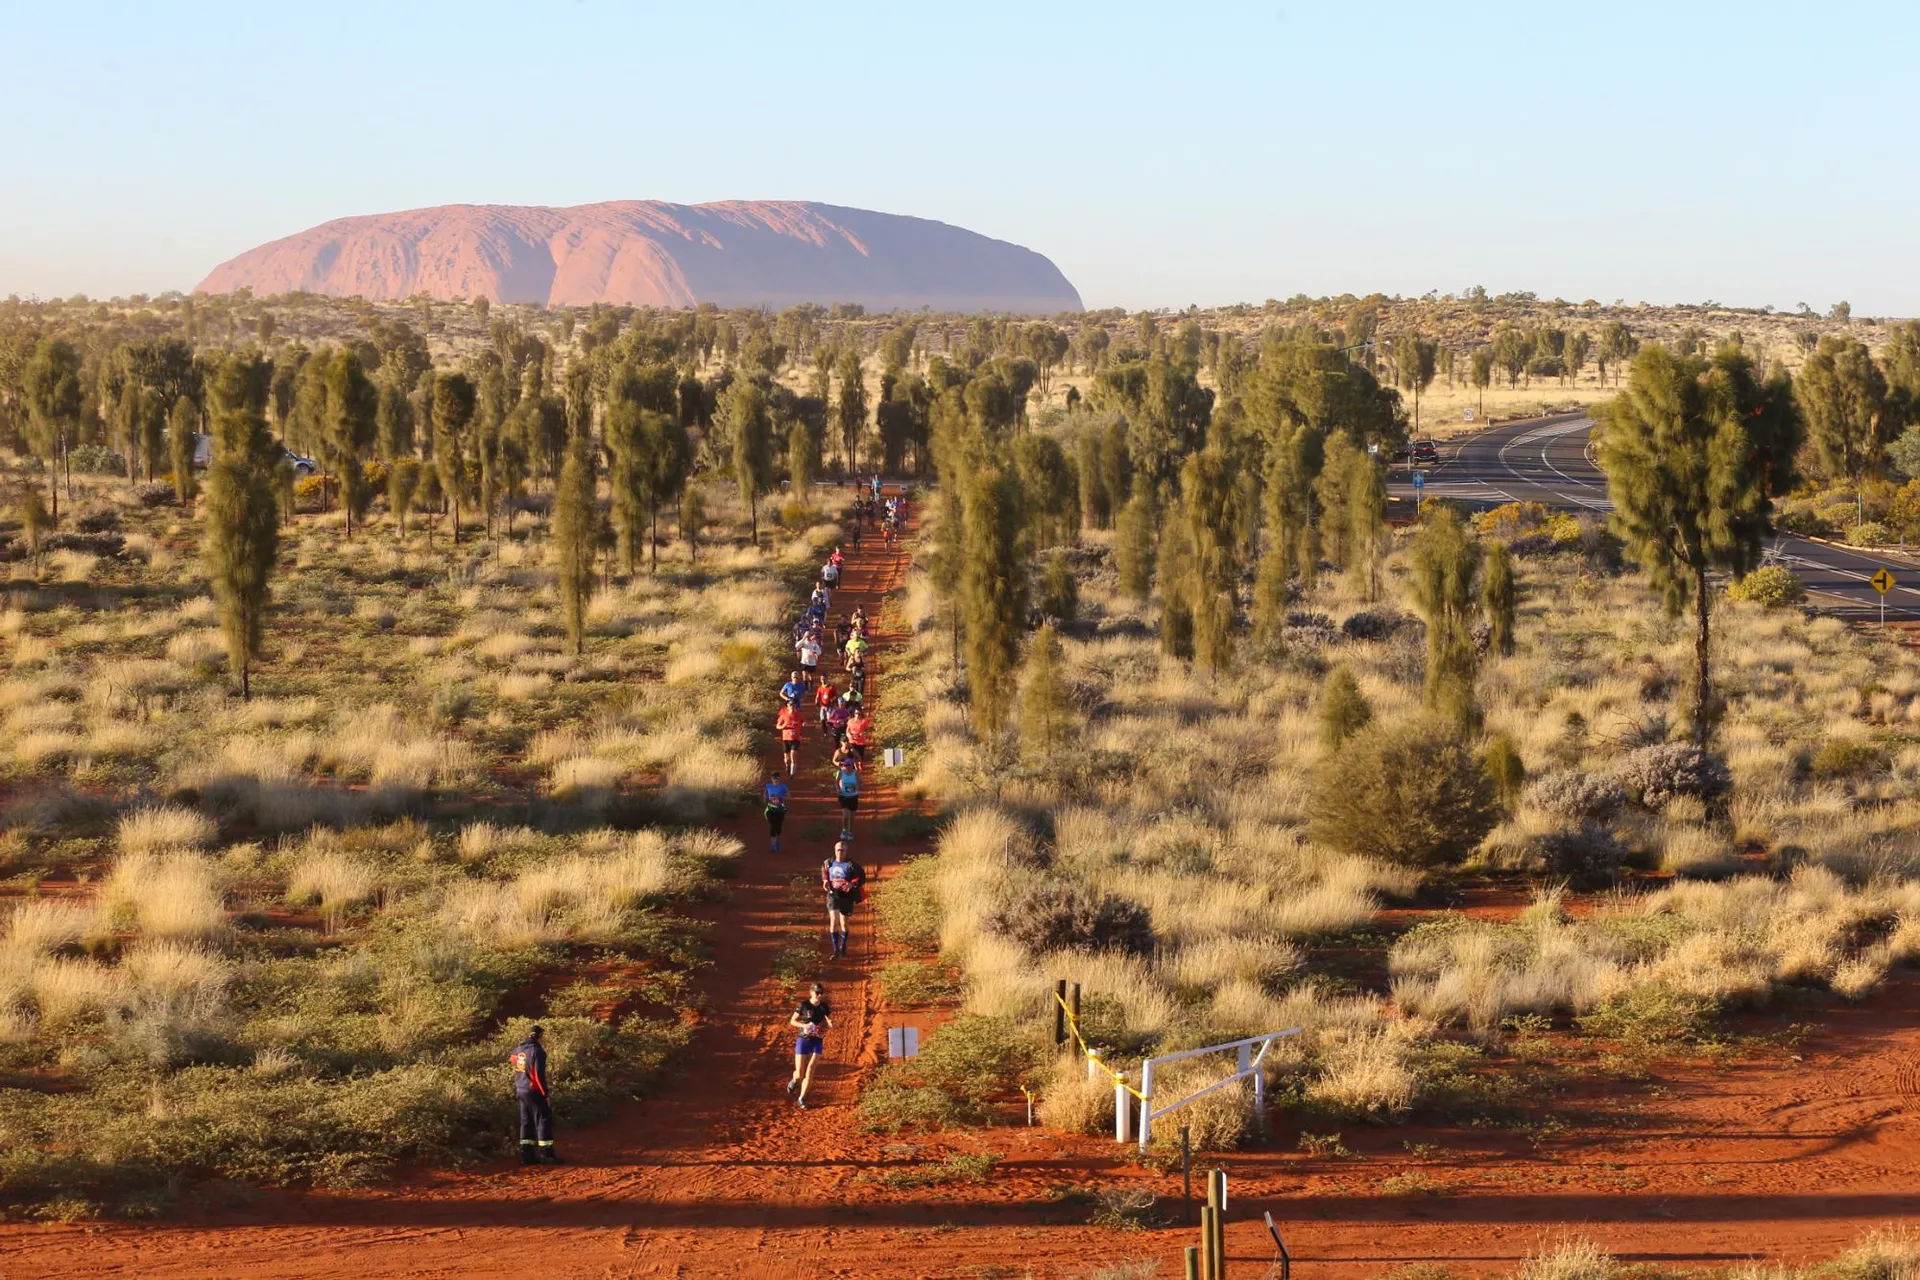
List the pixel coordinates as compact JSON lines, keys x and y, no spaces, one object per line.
{"x":1146,"y":1102}
{"x":1122,"y":1109}
{"x":1259,"y":1093}
{"x":1093,"y":1064}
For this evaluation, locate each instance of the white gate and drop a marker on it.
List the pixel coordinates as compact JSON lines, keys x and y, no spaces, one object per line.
{"x":1248,"y":1060}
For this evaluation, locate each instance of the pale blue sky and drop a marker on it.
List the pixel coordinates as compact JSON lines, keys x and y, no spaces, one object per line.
{"x":1160,"y":154}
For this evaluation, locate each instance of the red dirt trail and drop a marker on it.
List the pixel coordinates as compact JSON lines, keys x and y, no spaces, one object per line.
{"x":717,"y":1174}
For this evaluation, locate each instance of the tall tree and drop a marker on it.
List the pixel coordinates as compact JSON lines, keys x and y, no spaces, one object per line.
{"x":993,"y":593}
{"x":1443,"y":569}
{"x":575,"y":532}
{"x":1333,"y":488}
{"x":1694,"y":454}
{"x":1206,"y":499}
{"x":1842,"y":395}
{"x":1133,"y":549}
{"x":1482,"y":375}
{"x":1499,"y":597}
{"x":1418,"y":359}
{"x":803,"y":458}
{"x":667,"y":457}
{"x":183,"y":424}
{"x":453,"y":406}
{"x":1046,"y":714}
{"x":1579,"y":347}
{"x":349,"y":424}
{"x":1367,"y":506}
{"x":242,"y":521}
{"x":751,"y":428}
{"x":54,"y":402}
{"x":851,"y":411}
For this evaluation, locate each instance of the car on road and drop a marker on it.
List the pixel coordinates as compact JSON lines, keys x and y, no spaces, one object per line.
{"x":1425,"y":451}
{"x":203,"y":455}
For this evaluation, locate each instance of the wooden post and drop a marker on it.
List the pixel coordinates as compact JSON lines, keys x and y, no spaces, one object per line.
{"x":1186,"y":1170}
{"x":1193,"y":1262}
{"x":1209,"y":1222}
{"x":1073,"y":1004}
{"x":1060,"y":1012}
{"x":1217,"y":1207}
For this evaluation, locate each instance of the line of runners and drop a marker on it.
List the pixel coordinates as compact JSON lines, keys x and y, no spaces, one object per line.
{"x":844,"y":718}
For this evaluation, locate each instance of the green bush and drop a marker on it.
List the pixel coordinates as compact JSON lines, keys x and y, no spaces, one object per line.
{"x":1059,"y":915}
{"x":1650,"y":1014}
{"x":1771,"y":585}
{"x":1870,"y":534}
{"x":909,"y":904}
{"x":1060,"y":589}
{"x":1841,"y":758}
{"x":963,"y":1070}
{"x":1411,"y":794}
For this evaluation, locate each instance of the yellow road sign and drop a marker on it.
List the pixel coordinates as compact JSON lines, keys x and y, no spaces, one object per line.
{"x":1882,"y":582}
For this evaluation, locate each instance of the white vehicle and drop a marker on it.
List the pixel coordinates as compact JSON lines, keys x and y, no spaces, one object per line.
{"x":203,"y":456}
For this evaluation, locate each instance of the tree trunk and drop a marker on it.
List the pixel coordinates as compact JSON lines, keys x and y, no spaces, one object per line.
{"x":1703,"y":679}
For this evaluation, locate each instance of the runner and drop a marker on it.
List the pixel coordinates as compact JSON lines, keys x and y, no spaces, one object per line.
{"x":809,"y":651}
{"x":823,"y":699}
{"x":791,"y":691}
{"x":830,"y":573}
{"x":774,"y":794}
{"x":857,"y":647}
{"x":857,"y":676}
{"x":839,"y":715}
{"x":844,"y":881}
{"x":787,"y":726}
{"x":848,"y":785}
{"x":859,"y":736}
{"x":812,"y":1019}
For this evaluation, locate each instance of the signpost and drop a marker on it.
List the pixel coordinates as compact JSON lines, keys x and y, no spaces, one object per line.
{"x":1883,"y":583}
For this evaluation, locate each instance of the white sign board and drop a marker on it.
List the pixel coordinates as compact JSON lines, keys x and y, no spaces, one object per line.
{"x":1466,"y":415}
{"x":903,"y":1042}
{"x":894,"y":757}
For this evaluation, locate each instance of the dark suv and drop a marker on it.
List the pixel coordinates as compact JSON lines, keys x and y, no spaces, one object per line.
{"x":1426,"y":451}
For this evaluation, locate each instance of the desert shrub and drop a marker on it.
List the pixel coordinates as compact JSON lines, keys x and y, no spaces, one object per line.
{"x":1885,"y":1254}
{"x":1501,"y":762}
{"x":963,"y":1071}
{"x":910,"y":982}
{"x":1655,"y":775}
{"x":1072,"y":1103}
{"x":1870,"y":534}
{"x":1059,"y":589}
{"x":1060,"y":915}
{"x":1571,"y":1260}
{"x":1650,"y":1013}
{"x":1583,"y":797}
{"x":908,"y":904}
{"x":1370,"y":624}
{"x":96,"y":460}
{"x":1409,"y":794}
{"x":1344,"y":710}
{"x":1848,"y":758}
{"x":1510,"y":518}
{"x":1772,"y":585}
{"x":98,"y":520}
{"x":1367,"y":1076}
{"x":1589,"y":855}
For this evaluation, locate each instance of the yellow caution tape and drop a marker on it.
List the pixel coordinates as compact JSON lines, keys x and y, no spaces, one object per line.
{"x":1073,"y":1025}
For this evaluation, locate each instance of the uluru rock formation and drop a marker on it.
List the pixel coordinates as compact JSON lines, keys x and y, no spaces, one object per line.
{"x":736,"y":253}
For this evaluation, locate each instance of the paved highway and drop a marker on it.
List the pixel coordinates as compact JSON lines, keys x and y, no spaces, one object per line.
{"x":1549,"y":460}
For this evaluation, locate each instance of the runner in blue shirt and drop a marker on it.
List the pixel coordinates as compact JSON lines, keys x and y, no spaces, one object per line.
{"x":774,"y":796}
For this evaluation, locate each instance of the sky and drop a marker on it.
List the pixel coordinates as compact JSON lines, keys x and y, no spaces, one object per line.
{"x":1161,"y":154}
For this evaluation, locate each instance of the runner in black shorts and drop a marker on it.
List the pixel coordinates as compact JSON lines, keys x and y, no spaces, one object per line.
{"x":812,"y":1020}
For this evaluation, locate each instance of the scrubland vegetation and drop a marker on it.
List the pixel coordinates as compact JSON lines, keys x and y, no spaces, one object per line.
{"x":1196,"y":718}
{"x":1256,"y":718}
{"x":289,"y":939}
